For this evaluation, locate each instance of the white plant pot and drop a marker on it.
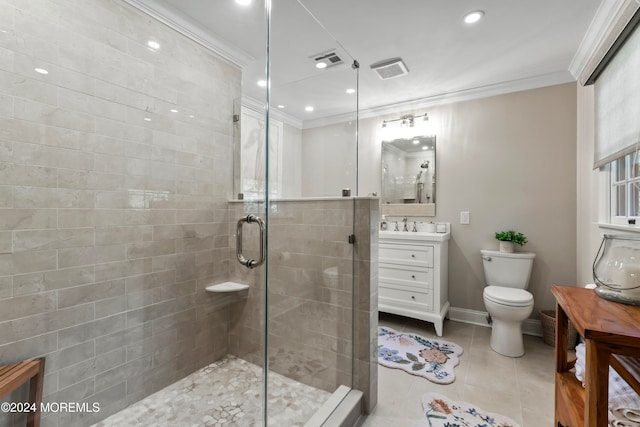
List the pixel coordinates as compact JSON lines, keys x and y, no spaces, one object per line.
{"x":506,"y":247}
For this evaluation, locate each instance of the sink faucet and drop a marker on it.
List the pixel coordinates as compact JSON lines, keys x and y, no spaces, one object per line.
{"x":405,"y":224}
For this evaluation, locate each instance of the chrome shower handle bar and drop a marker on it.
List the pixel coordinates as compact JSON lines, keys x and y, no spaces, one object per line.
{"x":249,"y":263}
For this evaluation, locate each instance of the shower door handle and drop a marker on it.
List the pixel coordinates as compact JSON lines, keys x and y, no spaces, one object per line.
{"x":249,"y":263}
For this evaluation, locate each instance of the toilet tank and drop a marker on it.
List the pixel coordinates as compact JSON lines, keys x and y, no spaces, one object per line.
{"x":511,"y":270}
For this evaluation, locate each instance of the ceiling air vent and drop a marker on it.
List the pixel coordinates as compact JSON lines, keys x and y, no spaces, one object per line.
{"x":390,"y":68}
{"x":329,"y":58}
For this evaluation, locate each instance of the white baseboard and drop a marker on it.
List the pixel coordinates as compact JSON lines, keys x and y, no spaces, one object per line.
{"x":529,"y":326}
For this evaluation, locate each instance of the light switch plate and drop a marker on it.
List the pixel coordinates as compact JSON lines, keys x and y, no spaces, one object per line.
{"x":464,"y":217}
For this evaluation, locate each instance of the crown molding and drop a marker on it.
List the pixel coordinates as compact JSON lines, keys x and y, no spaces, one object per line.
{"x":607,"y":24}
{"x":192,"y":30}
{"x":448,"y":98}
{"x":256,"y":105}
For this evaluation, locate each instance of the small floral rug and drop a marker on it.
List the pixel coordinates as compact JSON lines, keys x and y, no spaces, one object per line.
{"x":428,"y":358}
{"x":439,"y":411}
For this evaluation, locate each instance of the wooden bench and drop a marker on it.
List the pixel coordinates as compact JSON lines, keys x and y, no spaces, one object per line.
{"x":14,"y":375}
{"x":611,"y":332}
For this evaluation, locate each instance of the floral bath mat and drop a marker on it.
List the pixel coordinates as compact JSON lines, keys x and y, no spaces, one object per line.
{"x":428,"y":358}
{"x":439,"y":411}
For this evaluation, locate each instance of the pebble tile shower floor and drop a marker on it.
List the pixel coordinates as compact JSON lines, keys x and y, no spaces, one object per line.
{"x":225,"y":393}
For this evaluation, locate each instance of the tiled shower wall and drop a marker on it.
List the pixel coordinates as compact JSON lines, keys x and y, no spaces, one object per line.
{"x":312,"y":286}
{"x":113,"y":207}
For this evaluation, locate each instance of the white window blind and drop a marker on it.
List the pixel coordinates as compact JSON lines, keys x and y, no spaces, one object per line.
{"x":617,"y":104}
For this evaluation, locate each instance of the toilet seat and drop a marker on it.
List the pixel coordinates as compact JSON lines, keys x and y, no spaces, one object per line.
{"x":508,"y":296}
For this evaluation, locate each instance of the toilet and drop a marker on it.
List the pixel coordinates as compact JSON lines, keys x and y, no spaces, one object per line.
{"x":506,"y":299}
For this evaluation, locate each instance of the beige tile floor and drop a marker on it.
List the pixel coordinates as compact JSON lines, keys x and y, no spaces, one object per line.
{"x":520,"y":388}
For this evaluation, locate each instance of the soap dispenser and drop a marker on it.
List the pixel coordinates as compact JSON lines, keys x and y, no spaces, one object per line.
{"x":383,"y":223}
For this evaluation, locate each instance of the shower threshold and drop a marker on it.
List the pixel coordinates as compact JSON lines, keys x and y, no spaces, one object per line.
{"x":225,"y":393}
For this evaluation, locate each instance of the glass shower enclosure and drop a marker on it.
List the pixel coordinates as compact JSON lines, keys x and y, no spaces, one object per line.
{"x":174,"y":238}
{"x":293,"y":212}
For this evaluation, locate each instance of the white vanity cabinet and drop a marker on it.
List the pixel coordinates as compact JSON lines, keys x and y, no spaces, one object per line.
{"x":412,"y":275}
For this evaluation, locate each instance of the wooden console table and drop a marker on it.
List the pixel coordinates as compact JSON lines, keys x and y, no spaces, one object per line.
{"x":611,"y":332}
{"x":14,"y":375}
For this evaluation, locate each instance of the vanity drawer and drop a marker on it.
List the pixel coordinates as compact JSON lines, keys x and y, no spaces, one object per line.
{"x":405,"y":297}
{"x":407,"y":254}
{"x":422,"y":277}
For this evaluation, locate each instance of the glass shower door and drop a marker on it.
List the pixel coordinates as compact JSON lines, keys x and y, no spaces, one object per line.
{"x":296,"y":142}
{"x":312,"y":158}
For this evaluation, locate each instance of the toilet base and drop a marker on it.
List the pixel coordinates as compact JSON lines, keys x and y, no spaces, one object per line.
{"x":506,"y":338}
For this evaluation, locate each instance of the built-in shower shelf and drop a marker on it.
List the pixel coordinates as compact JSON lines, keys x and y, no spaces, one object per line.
{"x":227,"y":287}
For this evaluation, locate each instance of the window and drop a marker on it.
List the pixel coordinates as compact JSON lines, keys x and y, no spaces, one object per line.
{"x":625,"y":188}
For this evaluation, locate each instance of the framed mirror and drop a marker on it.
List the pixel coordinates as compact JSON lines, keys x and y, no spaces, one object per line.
{"x":409,"y":176}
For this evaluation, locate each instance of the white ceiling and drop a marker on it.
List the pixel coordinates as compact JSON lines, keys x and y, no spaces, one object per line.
{"x":517,"y":44}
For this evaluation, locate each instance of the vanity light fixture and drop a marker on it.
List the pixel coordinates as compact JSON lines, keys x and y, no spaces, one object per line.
{"x":473,"y":17}
{"x":406,"y":120}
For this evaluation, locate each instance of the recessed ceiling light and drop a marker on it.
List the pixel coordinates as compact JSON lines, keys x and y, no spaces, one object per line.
{"x":308,"y":108}
{"x":262,"y":83}
{"x":416,"y":141}
{"x":280,"y":106}
{"x":350,"y":91}
{"x":41,"y":71}
{"x":147,"y":119}
{"x":243,"y":2}
{"x":321,"y":65}
{"x":473,"y":17}
{"x":173,"y":110}
{"x":424,"y":147}
{"x":153,"y":44}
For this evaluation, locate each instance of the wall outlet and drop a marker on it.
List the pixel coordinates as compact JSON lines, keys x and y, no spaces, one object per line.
{"x":464,"y":217}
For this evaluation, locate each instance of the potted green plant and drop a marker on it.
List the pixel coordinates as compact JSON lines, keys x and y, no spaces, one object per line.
{"x":509,"y":238}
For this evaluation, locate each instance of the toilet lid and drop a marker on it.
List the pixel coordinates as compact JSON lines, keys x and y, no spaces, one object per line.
{"x":508,"y":296}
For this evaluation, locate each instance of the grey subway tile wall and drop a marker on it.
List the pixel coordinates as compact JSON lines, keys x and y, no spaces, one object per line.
{"x":113,"y":208}
{"x":114,"y":217}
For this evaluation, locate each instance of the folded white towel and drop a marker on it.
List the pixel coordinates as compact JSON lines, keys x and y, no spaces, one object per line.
{"x":626,"y":414}
{"x":624,"y":402}
{"x":631,"y":414}
{"x":580,"y":362}
{"x":623,"y":423}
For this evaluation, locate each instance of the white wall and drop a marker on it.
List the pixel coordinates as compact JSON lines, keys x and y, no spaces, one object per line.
{"x":292,"y":167}
{"x":329,"y":160}
{"x":588,"y":182}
